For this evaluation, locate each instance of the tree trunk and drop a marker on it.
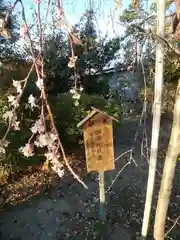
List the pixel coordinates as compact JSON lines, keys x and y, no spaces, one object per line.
{"x":168,"y":171}
{"x":156,"y":116}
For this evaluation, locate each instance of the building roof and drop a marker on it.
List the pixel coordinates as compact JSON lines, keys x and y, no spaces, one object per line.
{"x":92,"y":113}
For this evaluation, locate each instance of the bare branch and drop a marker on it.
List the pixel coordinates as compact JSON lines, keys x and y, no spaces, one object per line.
{"x":173,"y":226}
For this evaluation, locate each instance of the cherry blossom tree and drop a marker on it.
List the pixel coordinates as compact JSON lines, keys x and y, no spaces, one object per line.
{"x":44,"y":133}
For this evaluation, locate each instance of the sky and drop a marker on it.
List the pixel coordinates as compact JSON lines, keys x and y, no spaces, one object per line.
{"x":107,"y":17}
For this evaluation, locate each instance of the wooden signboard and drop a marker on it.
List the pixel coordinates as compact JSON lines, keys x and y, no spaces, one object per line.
{"x":98,"y":141}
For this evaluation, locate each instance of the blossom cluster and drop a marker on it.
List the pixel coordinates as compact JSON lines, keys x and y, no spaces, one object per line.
{"x":3,"y":145}
{"x":41,"y":138}
{"x":76,"y":95}
{"x":44,"y":139}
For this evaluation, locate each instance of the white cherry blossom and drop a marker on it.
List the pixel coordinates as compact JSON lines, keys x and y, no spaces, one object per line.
{"x":13,"y":101}
{"x":27,"y":150}
{"x":38,"y":127}
{"x":40,"y":83}
{"x":31,"y":101}
{"x":15,"y":125}
{"x":17,"y":85}
{"x":8,"y":115}
{"x":81,"y":89}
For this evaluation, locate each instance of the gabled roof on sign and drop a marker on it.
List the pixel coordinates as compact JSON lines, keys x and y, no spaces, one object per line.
{"x":92,"y":113}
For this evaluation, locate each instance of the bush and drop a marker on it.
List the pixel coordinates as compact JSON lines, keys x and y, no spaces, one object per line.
{"x":92,"y":85}
{"x":13,"y":161}
{"x":67,"y":116}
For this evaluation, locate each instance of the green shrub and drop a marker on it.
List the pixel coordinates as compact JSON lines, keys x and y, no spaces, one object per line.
{"x":13,"y":161}
{"x":67,"y":116}
{"x":93,"y":86}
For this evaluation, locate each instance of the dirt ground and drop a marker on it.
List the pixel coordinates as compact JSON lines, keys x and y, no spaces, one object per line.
{"x":65,"y":210}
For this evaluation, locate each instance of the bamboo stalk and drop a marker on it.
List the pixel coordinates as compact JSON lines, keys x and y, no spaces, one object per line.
{"x":168,"y":172}
{"x":156,"y":116}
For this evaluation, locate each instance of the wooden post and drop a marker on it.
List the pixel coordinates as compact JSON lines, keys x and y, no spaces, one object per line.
{"x":102,"y":197}
{"x":99,"y":149}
